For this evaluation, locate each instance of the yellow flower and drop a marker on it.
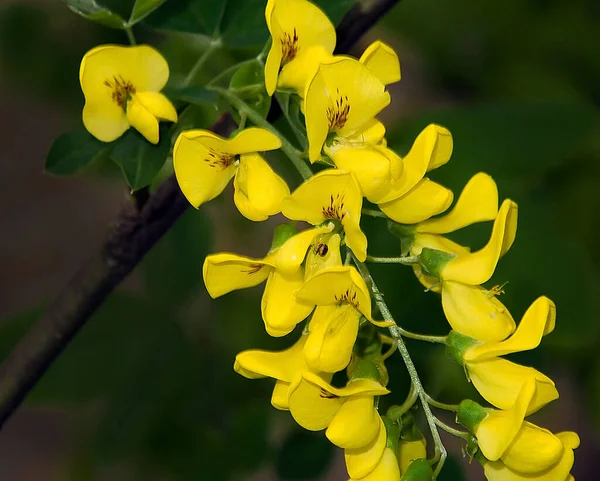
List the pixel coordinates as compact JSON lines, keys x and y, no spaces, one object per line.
{"x":205,"y":163}
{"x":381,"y":59}
{"x":330,"y":195}
{"x":410,"y":197}
{"x":499,"y":380}
{"x":283,"y":366}
{"x":362,"y":461}
{"x":342,"y":297}
{"x":302,"y":35}
{"x":343,"y":97}
{"x":122,"y":88}
{"x":348,"y":413}
{"x":386,"y":470}
{"x":559,"y":471}
{"x":408,"y":451}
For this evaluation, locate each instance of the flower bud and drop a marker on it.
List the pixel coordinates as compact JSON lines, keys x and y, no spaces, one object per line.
{"x":363,"y":369}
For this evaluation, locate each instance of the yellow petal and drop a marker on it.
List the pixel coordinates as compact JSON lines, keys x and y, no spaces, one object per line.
{"x":332,"y":334}
{"x":370,"y":166}
{"x":281,"y":365}
{"x":534,"y":449}
{"x":354,"y":388}
{"x":343,"y":97}
{"x":478,"y":267}
{"x":158,"y":105}
{"x":240,"y":197}
{"x":386,"y":470}
{"x":291,"y":254}
{"x":425,"y":200}
{"x":537,"y":321}
{"x":142,"y":120}
{"x":360,"y":462}
{"x":382,"y":61}
{"x":298,"y":73}
{"x":408,"y":451}
{"x":224,"y":273}
{"x":106,"y":121}
{"x":355,"y":425}
{"x":478,"y":202}
{"x":279,"y":398}
{"x":371,"y":133}
{"x":318,"y":259}
{"x":498,"y":430}
{"x":295,"y":26}
{"x":499,"y":381}
{"x":432,"y":148}
{"x":251,"y":140}
{"x":437,"y":242}
{"x":281,"y":310}
{"x":336,"y":285}
{"x":474,"y":312}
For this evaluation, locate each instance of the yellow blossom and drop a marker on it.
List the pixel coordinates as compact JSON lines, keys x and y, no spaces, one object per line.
{"x":122,"y":88}
{"x":330,"y":195}
{"x":205,"y":163}
{"x":348,"y":413}
{"x":386,"y":470}
{"x":381,"y":59}
{"x":362,"y":461}
{"x":559,"y":471}
{"x":302,"y":35}
{"x":409,"y":450}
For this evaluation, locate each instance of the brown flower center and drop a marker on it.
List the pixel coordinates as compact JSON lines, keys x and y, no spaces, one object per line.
{"x":289,"y":47}
{"x":219,"y":160}
{"x":335,"y":209}
{"x":337,"y":113}
{"x":349,"y":296}
{"x":253,"y":269}
{"x":122,"y":90}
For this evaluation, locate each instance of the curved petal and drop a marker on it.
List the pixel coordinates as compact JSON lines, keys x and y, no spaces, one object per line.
{"x":355,"y":425}
{"x":437,"y":242}
{"x":499,"y":428}
{"x":158,"y":105}
{"x":432,"y":148}
{"x":202,"y":171}
{"x":317,"y":259}
{"x":537,"y":321}
{"x":361,"y":461}
{"x":356,"y":239}
{"x":281,"y":310}
{"x":366,"y":162}
{"x":343,"y":97}
{"x":240,"y":197}
{"x":291,"y":254}
{"x":336,"y":285}
{"x":253,"y":139}
{"x":474,"y":312}
{"x":371,"y":133}
{"x":279,"y":398}
{"x":478,"y":267}
{"x":353,"y":388}
{"x":104,"y":119}
{"x":382,"y":61}
{"x":298,"y":73}
{"x":281,"y":365}
{"x":425,"y":200}
{"x":142,"y":120}
{"x":499,"y":381}
{"x":386,"y":470}
{"x":224,"y":273}
{"x":408,"y":451}
{"x":533,"y":450}
{"x":478,"y":202}
{"x":332,"y":334}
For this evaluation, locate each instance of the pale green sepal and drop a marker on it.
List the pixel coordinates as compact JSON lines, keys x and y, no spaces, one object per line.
{"x":418,"y":470}
{"x":282,"y":233}
{"x":470,"y":414}
{"x":457,"y":344}
{"x":433,"y":261}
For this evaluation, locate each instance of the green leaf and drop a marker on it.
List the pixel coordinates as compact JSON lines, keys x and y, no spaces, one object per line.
{"x":193,"y":95}
{"x":142,"y":8}
{"x":92,"y":11}
{"x":248,"y":83}
{"x":72,"y":152}
{"x":140,"y":160}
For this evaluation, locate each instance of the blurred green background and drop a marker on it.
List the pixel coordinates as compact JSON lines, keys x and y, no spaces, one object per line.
{"x":147,"y":391}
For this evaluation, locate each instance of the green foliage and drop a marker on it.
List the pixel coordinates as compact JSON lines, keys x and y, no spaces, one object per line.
{"x":196,"y":95}
{"x":248,"y":83}
{"x":140,"y":160}
{"x":142,"y":8}
{"x":91,"y":10}
{"x":72,"y":152}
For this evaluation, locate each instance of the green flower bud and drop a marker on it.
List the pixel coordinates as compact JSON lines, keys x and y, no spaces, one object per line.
{"x":457,"y":344}
{"x":470,"y":414}
{"x":418,"y":470}
{"x":364,"y":369}
{"x":433,"y":261}
{"x":393,"y":433}
{"x":406,"y":234}
{"x":282,"y":233}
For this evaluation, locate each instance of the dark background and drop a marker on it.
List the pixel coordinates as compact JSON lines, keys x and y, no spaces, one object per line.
{"x":147,"y":391}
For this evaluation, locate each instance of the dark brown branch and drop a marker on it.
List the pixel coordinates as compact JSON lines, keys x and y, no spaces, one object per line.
{"x":138,"y":227}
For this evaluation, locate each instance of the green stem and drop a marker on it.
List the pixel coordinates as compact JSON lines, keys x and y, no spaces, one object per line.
{"x":441,"y":405}
{"x":374,"y":213}
{"x":396,"y":412}
{"x":406,"y":260}
{"x":287,"y":148}
{"x":422,"y":337}
{"x":130,"y":35}
{"x":455,"y":432}
{"x":396,"y":332}
{"x":228,"y":71}
{"x":212,"y":47}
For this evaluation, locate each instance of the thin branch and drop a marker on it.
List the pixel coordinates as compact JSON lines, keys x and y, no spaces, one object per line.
{"x":133,"y":234}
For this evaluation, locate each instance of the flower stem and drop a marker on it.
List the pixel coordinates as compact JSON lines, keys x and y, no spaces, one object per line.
{"x":396,"y":412}
{"x":406,"y":260}
{"x":396,"y":332}
{"x":212,"y":47}
{"x":288,"y":149}
{"x":422,"y":337}
{"x":455,"y":432}
{"x":228,"y":71}
{"x":130,"y":35}
{"x":374,"y":213}
{"x":441,"y":405}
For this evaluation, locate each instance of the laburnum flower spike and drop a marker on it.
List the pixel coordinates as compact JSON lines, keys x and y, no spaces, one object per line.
{"x":499,"y":471}
{"x":204,"y":164}
{"x":342,"y":98}
{"x":498,"y":380}
{"x":302,"y":35}
{"x":122,"y":88}
{"x":330,"y":195}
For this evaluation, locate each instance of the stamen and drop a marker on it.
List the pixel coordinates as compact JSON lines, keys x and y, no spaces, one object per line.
{"x":327,"y":395}
{"x":337,"y":114}
{"x":219,"y":160}
{"x":335,"y":209}
{"x":253,"y":269}
{"x":122,"y":90}
{"x":289,"y":47}
{"x":497,"y":290}
{"x":349,"y":297}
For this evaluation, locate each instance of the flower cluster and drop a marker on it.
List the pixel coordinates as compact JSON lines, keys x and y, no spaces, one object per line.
{"x":317,"y":277}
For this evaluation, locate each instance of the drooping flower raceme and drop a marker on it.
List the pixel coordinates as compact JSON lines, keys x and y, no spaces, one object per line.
{"x":122,"y":88}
